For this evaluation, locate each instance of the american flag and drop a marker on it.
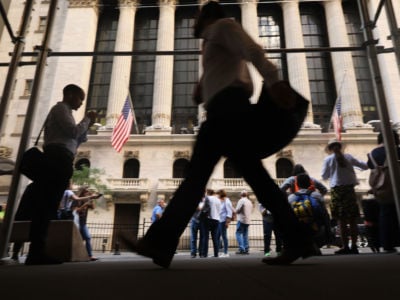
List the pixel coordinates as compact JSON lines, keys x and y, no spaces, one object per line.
{"x":122,"y":129}
{"x":337,"y":119}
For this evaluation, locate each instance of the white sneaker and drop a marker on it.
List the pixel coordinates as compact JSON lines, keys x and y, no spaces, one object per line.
{"x":224,"y":255}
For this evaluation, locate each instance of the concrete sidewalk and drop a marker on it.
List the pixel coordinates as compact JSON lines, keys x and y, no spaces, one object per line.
{"x":363,"y":276}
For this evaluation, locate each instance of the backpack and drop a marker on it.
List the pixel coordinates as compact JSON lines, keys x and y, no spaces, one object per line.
{"x":308,"y":210}
{"x":379,"y":180}
{"x":205,"y":211}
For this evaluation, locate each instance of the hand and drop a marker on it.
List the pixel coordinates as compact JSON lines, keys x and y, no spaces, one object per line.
{"x":283,"y":95}
{"x":92,"y":115}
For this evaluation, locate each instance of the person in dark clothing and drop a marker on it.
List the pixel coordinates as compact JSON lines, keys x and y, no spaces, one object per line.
{"x":389,"y":231}
{"x":225,"y":88}
{"x":62,"y":136}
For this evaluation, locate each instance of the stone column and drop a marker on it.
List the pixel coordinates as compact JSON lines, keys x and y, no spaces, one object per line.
{"x":163,"y":79}
{"x":343,"y":68}
{"x":387,"y":62}
{"x":250,"y":24}
{"x":79,"y":34}
{"x":297,"y":62}
{"x":119,"y":85}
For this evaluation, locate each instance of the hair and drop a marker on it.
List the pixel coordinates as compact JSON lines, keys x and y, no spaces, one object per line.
{"x":336,"y":148}
{"x":210,"y":192}
{"x":72,"y":89}
{"x":243,"y":193}
{"x":303,"y":181}
{"x":298,"y":169}
{"x":395,"y":136}
{"x":211,"y":10}
{"x":221,"y":193}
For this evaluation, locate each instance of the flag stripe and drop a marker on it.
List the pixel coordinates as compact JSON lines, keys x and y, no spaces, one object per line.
{"x":122,"y":128}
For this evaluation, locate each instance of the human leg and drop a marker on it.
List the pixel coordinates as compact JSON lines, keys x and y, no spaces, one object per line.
{"x":296,"y":239}
{"x":162,"y":238}
{"x":87,"y":238}
{"x":267,"y":231}
{"x":47,"y":192}
{"x":194,"y":228}
{"x":224,"y":237}
{"x":240,"y":238}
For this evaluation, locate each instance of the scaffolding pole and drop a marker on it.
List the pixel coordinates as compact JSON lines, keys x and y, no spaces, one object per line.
{"x":388,"y":139}
{"x":12,"y":202}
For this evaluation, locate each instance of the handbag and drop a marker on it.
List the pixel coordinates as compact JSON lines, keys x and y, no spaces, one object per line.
{"x":32,"y":160}
{"x":379,"y":180}
{"x":276,"y":126}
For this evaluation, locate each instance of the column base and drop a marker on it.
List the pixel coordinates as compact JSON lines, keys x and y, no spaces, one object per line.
{"x":157,"y":130}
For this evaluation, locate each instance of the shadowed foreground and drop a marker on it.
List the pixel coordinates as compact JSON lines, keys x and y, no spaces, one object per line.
{"x":128,"y":276}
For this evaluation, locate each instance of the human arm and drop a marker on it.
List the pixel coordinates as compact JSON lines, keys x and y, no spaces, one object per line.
{"x":288,"y":183}
{"x":320,"y":186}
{"x":325,"y":173}
{"x":357,"y":163}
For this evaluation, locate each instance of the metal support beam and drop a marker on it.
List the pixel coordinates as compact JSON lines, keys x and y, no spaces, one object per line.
{"x":386,"y":128}
{"x":16,"y":56}
{"x":12,"y":202}
{"x":394,"y":30}
{"x":7,"y":23}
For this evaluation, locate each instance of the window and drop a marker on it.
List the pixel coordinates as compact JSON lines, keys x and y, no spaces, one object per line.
{"x":79,"y":164}
{"x":186,"y":72}
{"x":131,"y":168}
{"x":271,"y":34}
{"x":19,"y":125}
{"x":102,"y":65}
{"x":28,"y":88}
{"x":42,"y":24}
{"x":230,"y":170}
{"x":323,"y":93}
{"x":142,"y":72}
{"x":180,"y":168}
{"x":360,"y":62}
{"x":284,"y":168}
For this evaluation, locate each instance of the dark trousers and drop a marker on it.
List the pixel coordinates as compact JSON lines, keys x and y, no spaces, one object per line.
{"x":47,"y":193}
{"x":268,"y":228}
{"x":389,"y":226}
{"x":224,"y":134}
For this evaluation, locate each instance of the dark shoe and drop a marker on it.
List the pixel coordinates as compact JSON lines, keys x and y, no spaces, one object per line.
{"x":288,"y":255}
{"x":41,"y":260}
{"x":193,"y":255}
{"x":141,"y":247}
{"x":93,"y":258}
{"x":354,"y":250}
{"x":343,"y":251}
{"x":241,"y":252}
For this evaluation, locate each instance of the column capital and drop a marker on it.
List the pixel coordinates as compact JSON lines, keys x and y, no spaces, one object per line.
{"x":128,"y":3}
{"x":167,"y":2}
{"x":83,"y":3}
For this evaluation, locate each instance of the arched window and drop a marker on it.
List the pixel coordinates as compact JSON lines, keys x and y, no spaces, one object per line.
{"x":131,"y":168}
{"x":79,"y":164}
{"x":284,"y":168}
{"x":180,"y":168}
{"x":230,"y":171}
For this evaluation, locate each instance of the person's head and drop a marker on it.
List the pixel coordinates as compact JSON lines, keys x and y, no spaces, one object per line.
{"x":243,"y":193}
{"x":298,"y":169}
{"x":83,"y":191}
{"x":334,"y":146}
{"x":161,"y":202}
{"x":221,"y":193}
{"x":73,"y":95}
{"x":395,"y":137}
{"x":209,"y":13}
{"x":303,"y":181}
{"x":210,"y":192}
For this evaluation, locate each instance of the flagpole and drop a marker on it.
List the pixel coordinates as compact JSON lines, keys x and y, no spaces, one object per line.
{"x":133,"y":112}
{"x":338,"y":95}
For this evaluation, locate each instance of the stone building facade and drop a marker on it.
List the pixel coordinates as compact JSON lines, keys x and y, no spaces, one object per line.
{"x":158,"y":64}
